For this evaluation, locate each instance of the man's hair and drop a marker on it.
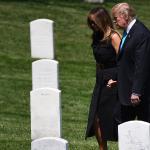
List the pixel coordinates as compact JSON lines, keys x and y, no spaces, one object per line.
{"x":125,"y":9}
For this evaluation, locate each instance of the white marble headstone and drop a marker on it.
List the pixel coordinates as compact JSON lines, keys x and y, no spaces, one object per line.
{"x":95,"y":1}
{"x":49,"y":143}
{"x":134,"y":135}
{"x":45,"y":74}
{"x":45,"y":108}
{"x":41,"y":36}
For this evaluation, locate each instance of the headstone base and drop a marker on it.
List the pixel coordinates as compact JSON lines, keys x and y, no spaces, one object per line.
{"x":49,"y":143}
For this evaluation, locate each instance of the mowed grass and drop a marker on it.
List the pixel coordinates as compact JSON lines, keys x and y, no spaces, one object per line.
{"x":76,"y":67}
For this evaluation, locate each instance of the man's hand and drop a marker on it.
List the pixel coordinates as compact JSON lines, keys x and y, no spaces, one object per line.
{"x":135,"y":99}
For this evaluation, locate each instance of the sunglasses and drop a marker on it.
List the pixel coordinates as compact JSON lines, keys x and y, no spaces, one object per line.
{"x":92,"y":23}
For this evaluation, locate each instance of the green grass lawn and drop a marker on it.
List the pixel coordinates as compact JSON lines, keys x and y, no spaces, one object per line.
{"x":76,"y":67}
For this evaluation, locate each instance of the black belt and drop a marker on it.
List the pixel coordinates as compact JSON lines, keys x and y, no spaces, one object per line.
{"x":102,"y":66}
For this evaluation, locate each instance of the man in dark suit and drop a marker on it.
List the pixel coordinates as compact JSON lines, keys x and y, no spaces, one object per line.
{"x":133,"y":64}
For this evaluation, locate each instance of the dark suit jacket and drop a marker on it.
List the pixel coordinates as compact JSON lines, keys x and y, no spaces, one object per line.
{"x":134,"y":64}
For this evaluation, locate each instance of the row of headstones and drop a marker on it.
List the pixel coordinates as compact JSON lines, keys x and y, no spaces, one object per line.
{"x":46,"y":104}
{"x":45,"y":97}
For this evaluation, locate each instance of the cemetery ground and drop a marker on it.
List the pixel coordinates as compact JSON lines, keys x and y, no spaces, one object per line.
{"x":76,"y":67}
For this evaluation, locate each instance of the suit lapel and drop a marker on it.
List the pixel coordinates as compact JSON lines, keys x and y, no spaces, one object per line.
{"x":132,"y":30}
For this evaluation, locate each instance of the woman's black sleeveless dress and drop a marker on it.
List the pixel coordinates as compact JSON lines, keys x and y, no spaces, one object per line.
{"x":104,"y":99}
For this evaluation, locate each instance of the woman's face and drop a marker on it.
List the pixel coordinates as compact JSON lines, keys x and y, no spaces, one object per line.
{"x":93,"y":23}
{"x":94,"y":26}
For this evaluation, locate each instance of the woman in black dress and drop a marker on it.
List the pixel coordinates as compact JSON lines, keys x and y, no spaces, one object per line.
{"x":105,"y":47}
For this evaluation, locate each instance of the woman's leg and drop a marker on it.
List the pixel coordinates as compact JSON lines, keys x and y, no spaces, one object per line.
{"x":102,"y":143}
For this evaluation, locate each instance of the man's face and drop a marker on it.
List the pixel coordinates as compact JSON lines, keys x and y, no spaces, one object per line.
{"x":120,"y":21}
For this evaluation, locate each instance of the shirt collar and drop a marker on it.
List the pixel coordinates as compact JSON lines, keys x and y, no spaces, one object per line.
{"x":130,"y":25}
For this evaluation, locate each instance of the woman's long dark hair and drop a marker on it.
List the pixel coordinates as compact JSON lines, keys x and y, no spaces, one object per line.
{"x":101,"y":18}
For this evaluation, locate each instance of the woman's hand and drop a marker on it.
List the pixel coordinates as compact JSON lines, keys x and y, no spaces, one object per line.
{"x":111,"y":83}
